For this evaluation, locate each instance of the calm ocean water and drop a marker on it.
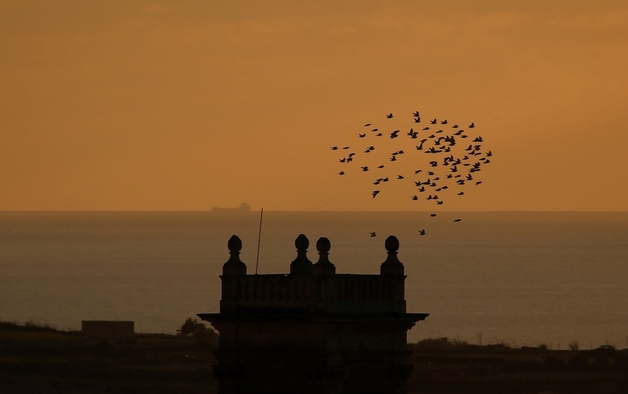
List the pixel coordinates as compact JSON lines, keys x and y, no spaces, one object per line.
{"x":521,"y":278}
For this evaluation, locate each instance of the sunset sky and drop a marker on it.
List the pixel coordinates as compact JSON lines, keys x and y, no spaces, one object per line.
{"x":175,"y":105}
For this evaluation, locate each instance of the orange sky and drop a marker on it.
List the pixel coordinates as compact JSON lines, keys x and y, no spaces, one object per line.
{"x":164,"y":105}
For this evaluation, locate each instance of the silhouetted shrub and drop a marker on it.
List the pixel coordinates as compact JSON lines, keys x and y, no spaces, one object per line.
{"x":193,"y":328}
{"x":573,"y":346}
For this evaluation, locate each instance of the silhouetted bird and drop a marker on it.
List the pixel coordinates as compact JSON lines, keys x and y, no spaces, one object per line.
{"x":461,"y":193}
{"x":439,"y":202}
{"x":334,"y":148}
{"x":444,"y":121}
{"x":373,"y":234}
{"x":432,"y":215}
{"x":389,"y":116}
{"x":417,"y":171}
{"x":362,"y":135}
{"x":415,"y":197}
{"x":433,"y":121}
{"x":346,"y":147}
{"x":472,"y":125}
{"x":367,"y":125}
{"x":457,"y":220}
{"x":375,"y":193}
{"x":382,"y":166}
{"x":416,"y":113}
{"x":422,"y":232}
{"x":365,"y":168}
{"x":478,"y":182}
{"x":399,"y":176}
{"x":341,"y":173}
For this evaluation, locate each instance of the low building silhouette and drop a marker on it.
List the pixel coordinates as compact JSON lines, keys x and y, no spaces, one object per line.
{"x":313,"y":330}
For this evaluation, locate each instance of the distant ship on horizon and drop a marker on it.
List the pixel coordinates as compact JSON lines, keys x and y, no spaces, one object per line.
{"x":244,"y":207}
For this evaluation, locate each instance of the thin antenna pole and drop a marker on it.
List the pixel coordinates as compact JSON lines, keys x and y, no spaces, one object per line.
{"x":259,"y":238}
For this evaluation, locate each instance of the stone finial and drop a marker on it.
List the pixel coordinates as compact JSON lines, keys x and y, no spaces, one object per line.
{"x":301,"y":243}
{"x":234,"y":266}
{"x":392,"y":244}
{"x":301,"y":265}
{"x":234,"y":244}
{"x":392,"y":265}
{"x":324,"y":266}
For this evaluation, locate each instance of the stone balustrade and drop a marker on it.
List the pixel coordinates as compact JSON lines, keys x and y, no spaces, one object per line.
{"x":312,"y":288}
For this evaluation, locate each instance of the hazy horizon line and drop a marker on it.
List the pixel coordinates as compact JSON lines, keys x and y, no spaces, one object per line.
{"x":239,"y":212}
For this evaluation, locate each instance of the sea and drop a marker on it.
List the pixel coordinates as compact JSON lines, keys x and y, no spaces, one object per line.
{"x":517,"y":278}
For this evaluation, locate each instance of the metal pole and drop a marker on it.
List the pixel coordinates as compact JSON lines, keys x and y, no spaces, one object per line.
{"x":259,"y":238}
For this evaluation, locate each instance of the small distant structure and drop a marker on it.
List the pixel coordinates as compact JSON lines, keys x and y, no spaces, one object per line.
{"x":107,"y":329}
{"x":313,"y":330}
{"x":244,"y":207}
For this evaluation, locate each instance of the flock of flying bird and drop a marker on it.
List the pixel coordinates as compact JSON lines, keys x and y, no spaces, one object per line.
{"x":452,"y":160}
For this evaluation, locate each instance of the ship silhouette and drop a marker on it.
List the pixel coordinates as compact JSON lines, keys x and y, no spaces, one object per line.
{"x":244,"y":207}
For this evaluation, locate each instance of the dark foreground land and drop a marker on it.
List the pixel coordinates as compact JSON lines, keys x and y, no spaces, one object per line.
{"x":43,"y":360}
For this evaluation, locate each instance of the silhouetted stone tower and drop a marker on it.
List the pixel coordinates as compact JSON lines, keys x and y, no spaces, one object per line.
{"x":313,"y":331}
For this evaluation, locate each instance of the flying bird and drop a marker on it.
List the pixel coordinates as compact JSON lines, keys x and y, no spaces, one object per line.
{"x":375,"y":193}
{"x":422,"y":232}
{"x":389,"y":116}
{"x":373,"y":234}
